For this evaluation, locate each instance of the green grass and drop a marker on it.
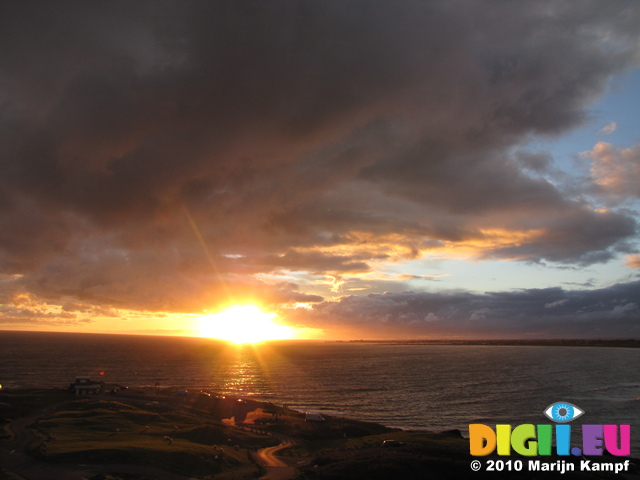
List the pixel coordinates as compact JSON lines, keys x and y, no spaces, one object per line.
{"x":331,"y":429}
{"x":5,"y":432}
{"x":114,"y":431}
{"x":5,"y":475}
{"x":424,"y":454}
{"x":18,"y":403}
{"x":434,"y":442}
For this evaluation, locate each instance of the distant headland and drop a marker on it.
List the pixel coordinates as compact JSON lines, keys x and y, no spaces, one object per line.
{"x":621,"y":343}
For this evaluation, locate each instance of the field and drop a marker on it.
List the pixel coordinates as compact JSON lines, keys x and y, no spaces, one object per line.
{"x":179,"y":437}
{"x":52,"y":434}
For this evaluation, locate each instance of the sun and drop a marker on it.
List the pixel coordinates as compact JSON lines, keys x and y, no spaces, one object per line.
{"x":243,"y":324}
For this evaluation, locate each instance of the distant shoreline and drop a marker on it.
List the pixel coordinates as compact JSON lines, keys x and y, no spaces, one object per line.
{"x":544,"y":342}
{"x":626,"y":343}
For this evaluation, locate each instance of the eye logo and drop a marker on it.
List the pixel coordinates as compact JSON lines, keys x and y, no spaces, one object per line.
{"x":562,"y":412}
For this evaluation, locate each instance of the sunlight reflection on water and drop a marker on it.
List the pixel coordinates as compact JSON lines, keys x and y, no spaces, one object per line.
{"x":433,"y":387}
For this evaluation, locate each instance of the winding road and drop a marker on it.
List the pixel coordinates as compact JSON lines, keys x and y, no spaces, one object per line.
{"x":276,"y":468}
{"x":14,"y":458}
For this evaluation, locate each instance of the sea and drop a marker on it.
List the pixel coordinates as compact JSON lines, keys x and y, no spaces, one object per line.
{"x":424,"y":387}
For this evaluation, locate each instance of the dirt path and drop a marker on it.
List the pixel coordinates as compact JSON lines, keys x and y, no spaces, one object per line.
{"x":279,"y":468}
{"x":267,"y":457}
{"x":14,"y":458}
{"x":276,"y":468}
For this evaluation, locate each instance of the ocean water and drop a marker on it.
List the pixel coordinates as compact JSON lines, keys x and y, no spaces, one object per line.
{"x":430,"y":387}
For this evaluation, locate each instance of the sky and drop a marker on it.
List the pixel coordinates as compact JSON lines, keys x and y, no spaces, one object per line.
{"x":359,"y":169}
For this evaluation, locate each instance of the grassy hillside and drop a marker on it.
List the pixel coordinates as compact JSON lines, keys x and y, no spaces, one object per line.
{"x":109,"y":430}
{"x":186,"y":436}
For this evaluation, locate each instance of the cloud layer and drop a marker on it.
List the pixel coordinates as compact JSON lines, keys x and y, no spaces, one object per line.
{"x":610,"y":312}
{"x":162,"y":157}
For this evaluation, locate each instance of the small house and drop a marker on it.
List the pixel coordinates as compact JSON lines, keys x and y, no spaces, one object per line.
{"x":313,"y":417}
{"x":86,"y":386}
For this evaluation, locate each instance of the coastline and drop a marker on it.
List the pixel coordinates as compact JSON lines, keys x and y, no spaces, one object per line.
{"x":405,"y":386}
{"x":149,"y":434}
{"x":537,"y":342}
{"x":615,"y":343}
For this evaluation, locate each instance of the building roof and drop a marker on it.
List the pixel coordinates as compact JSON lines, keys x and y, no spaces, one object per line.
{"x":314,"y":417}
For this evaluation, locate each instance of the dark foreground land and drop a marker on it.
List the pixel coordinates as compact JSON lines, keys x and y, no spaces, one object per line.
{"x":52,"y":434}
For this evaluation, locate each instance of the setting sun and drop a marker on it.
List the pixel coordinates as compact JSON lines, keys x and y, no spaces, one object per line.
{"x":244,"y":324}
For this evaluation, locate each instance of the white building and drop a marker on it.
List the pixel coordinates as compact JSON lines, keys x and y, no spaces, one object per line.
{"x":85,"y":386}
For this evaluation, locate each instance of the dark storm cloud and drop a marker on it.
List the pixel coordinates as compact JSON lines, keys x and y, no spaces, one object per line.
{"x":579,"y":236}
{"x":540,"y":313}
{"x":316,"y":263}
{"x":141,"y":142}
{"x":145,"y":281}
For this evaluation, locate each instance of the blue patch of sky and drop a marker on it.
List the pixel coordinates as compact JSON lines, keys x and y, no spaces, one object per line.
{"x":493,"y":276}
{"x":619,"y":105}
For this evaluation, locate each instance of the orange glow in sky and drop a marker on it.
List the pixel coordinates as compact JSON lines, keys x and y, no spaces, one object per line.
{"x":244,"y":324}
{"x":399,"y":186}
